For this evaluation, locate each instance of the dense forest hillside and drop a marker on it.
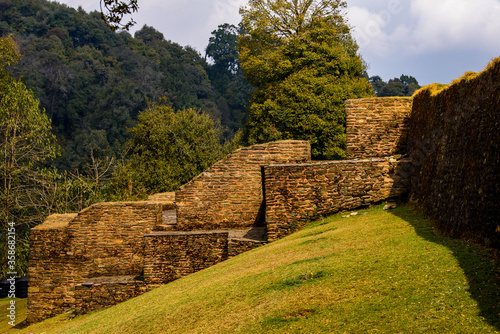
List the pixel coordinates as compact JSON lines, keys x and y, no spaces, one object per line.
{"x":92,"y":82}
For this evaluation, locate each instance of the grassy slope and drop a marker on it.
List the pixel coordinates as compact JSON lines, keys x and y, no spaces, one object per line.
{"x":20,"y":312}
{"x":384,"y":272}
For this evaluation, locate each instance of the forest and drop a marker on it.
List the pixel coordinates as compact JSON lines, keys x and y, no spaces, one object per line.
{"x":125,"y":116}
{"x":92,"y":82}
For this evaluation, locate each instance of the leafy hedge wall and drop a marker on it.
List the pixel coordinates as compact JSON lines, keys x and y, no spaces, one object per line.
{"x":454,"y":139}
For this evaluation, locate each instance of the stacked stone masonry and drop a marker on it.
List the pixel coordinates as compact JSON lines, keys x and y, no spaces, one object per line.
{"x":296,"y":194}
{"x":52,"y":272}
{"x":170,"y":256}
{"x":454,"y":145}
{"x":105,"y":239}
{"x":114,"y":251}
{"x":113,"y":243}
{"x":229,"y":194}
{"x":377,"y":127}
{"x":111,"y":252}
{"x":100,"y":292}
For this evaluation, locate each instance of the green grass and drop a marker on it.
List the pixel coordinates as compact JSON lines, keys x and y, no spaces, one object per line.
{"x":21,"y":307}
{"x":383,"y":272}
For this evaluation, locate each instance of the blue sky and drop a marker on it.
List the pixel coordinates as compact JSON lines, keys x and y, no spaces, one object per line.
{"x":432,"y":40}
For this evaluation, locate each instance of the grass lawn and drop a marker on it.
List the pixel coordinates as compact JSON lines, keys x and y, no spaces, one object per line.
{"x":20,"y":312}
{"x":376,"y":272}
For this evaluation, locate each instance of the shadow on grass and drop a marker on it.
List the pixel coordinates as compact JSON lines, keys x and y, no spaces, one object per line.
{"x":481,"y":270}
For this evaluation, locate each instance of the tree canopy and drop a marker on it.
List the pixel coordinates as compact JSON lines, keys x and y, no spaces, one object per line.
{"x":93,"y":82}
{"x":168,"y":148}
{"x":83,"y":86}
{"x":26,"y":142}
{"x":226,"y":76}
{"x":25,"y":136}
{"x":403,"y":86}
{"x":300,"y":56}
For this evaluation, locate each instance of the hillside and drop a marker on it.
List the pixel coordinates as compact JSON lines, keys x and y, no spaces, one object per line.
{"x":93,"y":82}
{"x":377,"y":271}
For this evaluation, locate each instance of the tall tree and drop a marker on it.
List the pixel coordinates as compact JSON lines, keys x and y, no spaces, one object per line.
{"x":393,"y":88}
{"x":169,"y":148}
{"x":222,"y":47}
{"x":300,"y":56}
{"x":377,"y":84}
{"x":26,"y":141}
{"x":226,"y":76}
{"x":25,"y":134}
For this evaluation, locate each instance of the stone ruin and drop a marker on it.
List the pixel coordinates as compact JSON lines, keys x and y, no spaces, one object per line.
{"x":111,"y":252}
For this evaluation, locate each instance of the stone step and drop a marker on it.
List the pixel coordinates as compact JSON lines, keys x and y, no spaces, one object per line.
{"x":165,"y":227}
{"x":254,"y":234}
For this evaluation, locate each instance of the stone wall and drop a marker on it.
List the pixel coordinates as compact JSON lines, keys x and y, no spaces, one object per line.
{"x":52,"y":271}
{"x":229,"y":194}
{"x":172,"y":255}
{"x":80,"y":260}
{"x":377,"y":127}
{"x":99,"y":292}
{"x":238,"y":246}
{"x":298,"y":193}
{"x":106,"y":239}
{"x":454,"y":142}
{"x":111,"y":252}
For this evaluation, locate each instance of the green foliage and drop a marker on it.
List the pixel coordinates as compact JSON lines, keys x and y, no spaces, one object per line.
{"x":93,"y":82}
{"x":29,"y":191}
{"x":227,"y":78}
{"x":26,"y":142}
{"x":404,"y":86}
{"x":222,"y":47}
{"x":46,"y":192}
{"x":168,"y":148}
{"x":377,"y":83}
{"x":73,"y":64}
{"x":149,"y":34}
{"x":304,"y":63}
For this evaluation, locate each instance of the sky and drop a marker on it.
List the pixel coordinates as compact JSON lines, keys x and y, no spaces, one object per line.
{"x":431,"y":40}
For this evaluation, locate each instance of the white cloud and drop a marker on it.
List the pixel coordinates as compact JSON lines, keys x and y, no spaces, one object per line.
{"x":427,"y":26}
{"x":378,"y":31}
{"x":87,"y":5}
{"x":187,"y":23}
{"x":368,"y":29}
{"x":226,"y":11}
{"x":456,"y":23}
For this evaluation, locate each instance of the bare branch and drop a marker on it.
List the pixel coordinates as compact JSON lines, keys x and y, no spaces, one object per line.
{"x":113,"y":11}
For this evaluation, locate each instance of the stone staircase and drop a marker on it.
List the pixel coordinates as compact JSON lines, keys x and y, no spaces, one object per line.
{"x":169,"y":222}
